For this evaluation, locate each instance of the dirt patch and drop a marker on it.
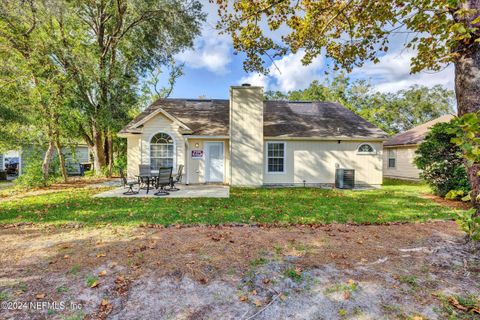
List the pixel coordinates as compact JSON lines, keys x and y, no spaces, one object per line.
{"x":454,"y":204}
{"x":323,"y":272}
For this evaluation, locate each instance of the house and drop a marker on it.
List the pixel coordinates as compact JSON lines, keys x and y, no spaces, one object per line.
{"x":75,"y":154}
{"x":246,"y":141}
{"x":399,"y":150}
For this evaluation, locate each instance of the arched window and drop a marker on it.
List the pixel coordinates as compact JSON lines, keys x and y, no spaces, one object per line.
{"x":162,"y":151}
{"x":365,"y":148}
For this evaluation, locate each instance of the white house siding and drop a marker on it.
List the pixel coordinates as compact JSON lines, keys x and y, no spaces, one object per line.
{"x":195,"y":168}
{"x":404,"y":166}
{"x":316,"y":162}
{"x":139,"y":145}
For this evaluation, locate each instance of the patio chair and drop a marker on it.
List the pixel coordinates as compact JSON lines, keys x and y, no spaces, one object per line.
{"x":163,"y":180}
{"x":178,"y":178}
{"x":128,"y":184}
{"x":144,"y":177}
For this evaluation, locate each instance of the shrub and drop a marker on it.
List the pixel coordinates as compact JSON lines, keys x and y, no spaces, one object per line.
{"x":470,"y":224}
{"x":441,"y":161}
{"x":32,"y":174}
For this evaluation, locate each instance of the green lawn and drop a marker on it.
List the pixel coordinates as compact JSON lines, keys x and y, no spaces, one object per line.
{"x":394,"y":202}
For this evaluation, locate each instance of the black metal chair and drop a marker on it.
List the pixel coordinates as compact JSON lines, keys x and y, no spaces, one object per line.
{"x":178,"y":178}
{"x":144,"y":176}
{"x":128,"y":184}
{"x":164,"y":179}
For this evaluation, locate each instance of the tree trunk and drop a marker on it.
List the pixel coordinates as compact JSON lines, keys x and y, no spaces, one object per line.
{"x":63,"y":170}
{"x":110,"y":154}
{"x":98,"y":152}
{"x":47,"y":158}
{"x":467,"y":90}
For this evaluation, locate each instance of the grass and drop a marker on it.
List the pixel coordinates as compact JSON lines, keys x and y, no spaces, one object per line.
{"x":396,"y":201}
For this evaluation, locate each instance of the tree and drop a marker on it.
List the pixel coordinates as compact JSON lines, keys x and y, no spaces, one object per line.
{"x":93,"y":55}
{"x":105,"y":46}
{"x":351,"y":32}
{"x":441,"y":161}
{"x":392,"y":112}
{"x":31,"y":83}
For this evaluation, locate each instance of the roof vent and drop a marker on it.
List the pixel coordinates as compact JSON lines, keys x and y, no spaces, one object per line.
{"x":246,"y":85}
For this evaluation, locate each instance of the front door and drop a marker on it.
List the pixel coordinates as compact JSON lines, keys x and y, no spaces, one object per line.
{"x":214,"y":164}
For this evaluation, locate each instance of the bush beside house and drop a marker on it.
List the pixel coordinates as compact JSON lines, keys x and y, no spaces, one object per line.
{"x":442,"y":162}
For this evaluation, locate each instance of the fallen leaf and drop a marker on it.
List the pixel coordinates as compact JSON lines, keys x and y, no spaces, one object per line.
{"x":94,"y":285}
{"x":243,"y":298}
{"x":102,"y":273}
{"x":254,"y":292}
{"x":454,"y":302}
{"x":40,"y":295}
{"x":99,"y":255}
{"x":350,"y":282}
{"x":346,"y":295}
{"x":66,"y":256}
{"x":417,"y":318}
{"x":105,"y":302}
{"x":258,"y":303}
{"x":266,"y":281}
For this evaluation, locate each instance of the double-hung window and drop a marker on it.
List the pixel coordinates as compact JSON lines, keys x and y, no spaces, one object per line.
{"x":275,"y":157}
{"x":391,"y":158}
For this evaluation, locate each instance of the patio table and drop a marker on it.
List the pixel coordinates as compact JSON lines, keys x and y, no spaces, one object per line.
{"x":146,"y":180}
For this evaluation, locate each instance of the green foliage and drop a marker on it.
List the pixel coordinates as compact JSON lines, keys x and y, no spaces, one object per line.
{"x":349,"y":32}
{"x":466,"y":131}
{"x":392,"y":112}
{"x":441,"y":161}
{"x":32,"y":174}
{"x":470,"y":224}
{"x":458,"y":195}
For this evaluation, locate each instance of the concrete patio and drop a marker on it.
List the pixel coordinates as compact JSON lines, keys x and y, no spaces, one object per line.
{"x":186,"y":191}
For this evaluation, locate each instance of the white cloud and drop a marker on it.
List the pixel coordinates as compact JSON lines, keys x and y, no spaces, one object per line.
{"x":211,"y":51}
{"x":392,"y":73}
{"x":288,"y":73}
{"x":291,"y":74}
{"x":256,"y":79}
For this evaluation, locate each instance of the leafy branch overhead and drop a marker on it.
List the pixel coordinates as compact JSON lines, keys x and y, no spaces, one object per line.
{"x":349,"y":31}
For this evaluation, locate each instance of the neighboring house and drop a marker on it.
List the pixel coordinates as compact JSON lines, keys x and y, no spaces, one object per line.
{"x":77,"y":154}
{"x":399,"y":151}
{"x":246,"y":141}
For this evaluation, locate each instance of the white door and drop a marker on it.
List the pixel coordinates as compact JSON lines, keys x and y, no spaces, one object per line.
{"x":214,"y":164}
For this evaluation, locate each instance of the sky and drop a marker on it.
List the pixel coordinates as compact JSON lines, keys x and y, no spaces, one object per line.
{"x":211,"y":67}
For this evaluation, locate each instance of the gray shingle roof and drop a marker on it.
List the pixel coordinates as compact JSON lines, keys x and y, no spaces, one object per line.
{"x":281,"y":119}
{"x":416,"y":135}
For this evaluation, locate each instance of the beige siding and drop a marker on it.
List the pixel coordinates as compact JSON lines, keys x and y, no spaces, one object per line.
{"x":139,"y":145}
{"x":246,"y":136}
{"x":316,"y":161}
{"x":195,"y":168}
{"x":404,"y":166}
{"x":133,"y":155}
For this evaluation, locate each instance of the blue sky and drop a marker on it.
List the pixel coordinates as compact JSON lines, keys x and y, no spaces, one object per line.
{"x":211,"y":68}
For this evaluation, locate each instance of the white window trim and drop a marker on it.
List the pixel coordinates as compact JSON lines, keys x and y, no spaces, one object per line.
{"x":284,"y":157}
{"x":149,"y":142}
{"x":363,"y":143}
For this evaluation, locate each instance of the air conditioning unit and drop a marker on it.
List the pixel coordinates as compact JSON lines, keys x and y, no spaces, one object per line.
{"x":345,"y":178}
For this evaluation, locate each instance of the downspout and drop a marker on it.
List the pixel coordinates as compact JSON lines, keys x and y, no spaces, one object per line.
{"x":187,"y":166}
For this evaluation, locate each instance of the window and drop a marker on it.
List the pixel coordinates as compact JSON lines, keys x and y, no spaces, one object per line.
{"x":391,"y":158}
{"x":162,"y":151}
{"x":365,"y":148}
{"x":275,"y":157}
